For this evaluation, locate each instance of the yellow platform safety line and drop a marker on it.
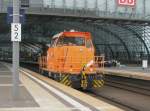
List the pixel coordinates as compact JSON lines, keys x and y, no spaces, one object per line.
{"x":98,"y":83}
{"x":66,"y":80}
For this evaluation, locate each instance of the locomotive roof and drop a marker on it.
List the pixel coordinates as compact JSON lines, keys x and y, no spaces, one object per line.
{"x":57,"y":35}
{"x":86,"y":35}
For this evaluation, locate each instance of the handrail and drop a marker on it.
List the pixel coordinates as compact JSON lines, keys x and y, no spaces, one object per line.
{"x":74,"y":64}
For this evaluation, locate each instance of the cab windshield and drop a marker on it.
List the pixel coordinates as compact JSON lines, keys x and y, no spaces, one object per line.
{"x":71,"y":41}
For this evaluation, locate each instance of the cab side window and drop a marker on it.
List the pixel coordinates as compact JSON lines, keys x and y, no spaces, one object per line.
{"x":60,"y":41}
{"x":88,"y":44}
{"x":53,"y":42}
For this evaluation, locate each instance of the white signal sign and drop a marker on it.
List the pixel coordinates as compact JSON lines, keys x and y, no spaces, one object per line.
{"x":145,"y":63}
{"x":127,"y":2}
{"x":16,"y":32}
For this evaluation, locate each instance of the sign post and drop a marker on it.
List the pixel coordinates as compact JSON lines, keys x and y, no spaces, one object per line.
{"x":16,"y":37}
{"x":145,"y":64}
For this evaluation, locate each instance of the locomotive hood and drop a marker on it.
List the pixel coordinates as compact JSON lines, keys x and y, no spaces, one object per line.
{"x":78,"y":57}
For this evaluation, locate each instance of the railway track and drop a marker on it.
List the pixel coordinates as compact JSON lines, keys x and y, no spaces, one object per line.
{"x":115,"y":102}
{"x":130,"y":97}
{"x":130,"y":87}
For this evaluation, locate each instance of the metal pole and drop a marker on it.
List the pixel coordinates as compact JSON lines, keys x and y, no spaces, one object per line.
{"x":106,"y":6}
{"x":85,"y":4}
{"x":53,"y":4}
{"x":64,"y":5}
{"x":116,"y":6}
{"x":15,"y":70}
{"x":144,"y":8}
{"x":74,"y":4}
{"x":96,"y":5}
{"x":0,"y":5}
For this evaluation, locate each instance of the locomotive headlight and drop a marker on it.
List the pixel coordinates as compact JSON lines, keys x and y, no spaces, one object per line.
{"x":71,"y":69}
{"x":89,"y":63}
{"x":91,"y":69}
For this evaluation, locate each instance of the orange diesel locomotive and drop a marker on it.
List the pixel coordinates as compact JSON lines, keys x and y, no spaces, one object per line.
{"x":70,"y":60}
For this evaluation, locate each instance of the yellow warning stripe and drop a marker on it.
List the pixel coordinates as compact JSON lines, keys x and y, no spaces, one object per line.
{"x":102,"y":81}
{"x":68,"y":83}
{"x":65,"y":82}
{"x":64,"y":79}
{"x":98,"y":83}
{"x":94,"y":86}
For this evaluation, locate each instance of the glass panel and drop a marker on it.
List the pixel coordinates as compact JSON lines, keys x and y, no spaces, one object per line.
{"x":71,"y":41}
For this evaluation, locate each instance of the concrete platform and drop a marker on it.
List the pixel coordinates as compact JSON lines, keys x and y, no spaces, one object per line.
{"x":131,"y":72}
{"x":6,"y":98}
{"x":39,"y":93}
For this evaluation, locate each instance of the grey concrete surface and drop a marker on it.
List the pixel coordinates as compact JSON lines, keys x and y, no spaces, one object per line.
{"x":6,"y":97}
{"x":130,"y":72}
{"x":132,"y":69}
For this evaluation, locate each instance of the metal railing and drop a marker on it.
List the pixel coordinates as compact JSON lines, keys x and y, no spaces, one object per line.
{"x":71,"y":64}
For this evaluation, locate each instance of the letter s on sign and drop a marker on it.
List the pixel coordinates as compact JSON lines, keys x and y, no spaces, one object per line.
{"x":16,"y":28}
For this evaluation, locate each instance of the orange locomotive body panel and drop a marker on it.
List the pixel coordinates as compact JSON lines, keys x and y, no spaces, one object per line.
{"x":71,"y":59}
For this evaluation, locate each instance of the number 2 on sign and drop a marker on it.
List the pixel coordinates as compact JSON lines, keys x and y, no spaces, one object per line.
{"x":16,"y":35}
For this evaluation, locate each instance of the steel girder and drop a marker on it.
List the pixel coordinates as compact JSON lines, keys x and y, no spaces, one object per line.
{"x":139,"y":37}
{"x":116,"y":36}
